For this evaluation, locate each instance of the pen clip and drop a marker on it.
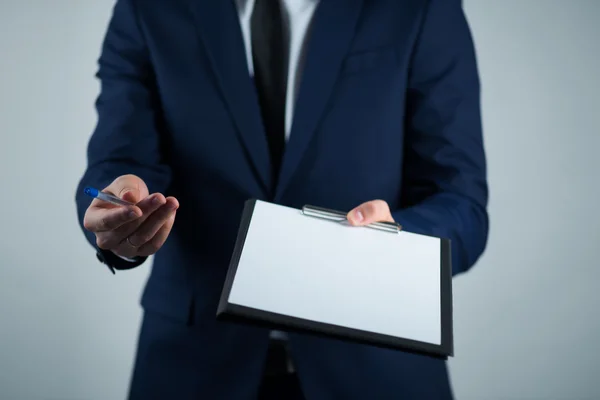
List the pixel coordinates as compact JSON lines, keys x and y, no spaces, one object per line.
{"x":338,"y":216}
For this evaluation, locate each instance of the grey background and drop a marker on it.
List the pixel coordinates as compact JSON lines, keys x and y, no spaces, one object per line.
{"x":526,"y":316}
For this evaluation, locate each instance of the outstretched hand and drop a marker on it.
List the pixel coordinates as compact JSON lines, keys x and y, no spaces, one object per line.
{"x":130,"y":231}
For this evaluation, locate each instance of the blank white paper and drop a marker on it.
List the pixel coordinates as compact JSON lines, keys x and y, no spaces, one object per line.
{"x":328,"y":272}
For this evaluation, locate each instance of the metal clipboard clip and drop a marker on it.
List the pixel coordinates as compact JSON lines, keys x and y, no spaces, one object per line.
{"x":338,"y":216}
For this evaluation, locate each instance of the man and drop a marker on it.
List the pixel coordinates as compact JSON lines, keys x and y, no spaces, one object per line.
{"x":366,"y":106}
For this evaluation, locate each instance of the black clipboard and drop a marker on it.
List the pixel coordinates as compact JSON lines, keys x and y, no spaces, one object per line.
{"x":228,"y":311}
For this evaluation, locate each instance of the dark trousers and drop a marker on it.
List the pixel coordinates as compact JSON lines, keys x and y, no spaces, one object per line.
{"x":279,"y":382}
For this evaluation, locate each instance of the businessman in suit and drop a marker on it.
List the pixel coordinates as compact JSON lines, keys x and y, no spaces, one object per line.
{"x":366,"y":106}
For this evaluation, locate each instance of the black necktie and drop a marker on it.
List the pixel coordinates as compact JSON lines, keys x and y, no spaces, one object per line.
{"x":270,"y":58}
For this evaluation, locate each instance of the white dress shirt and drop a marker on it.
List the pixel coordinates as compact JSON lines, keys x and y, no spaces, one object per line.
{"x":297,"y":16}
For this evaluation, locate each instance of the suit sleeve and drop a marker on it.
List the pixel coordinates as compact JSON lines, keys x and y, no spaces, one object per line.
{"x":444,"y":190}
{"x":127,"y":138}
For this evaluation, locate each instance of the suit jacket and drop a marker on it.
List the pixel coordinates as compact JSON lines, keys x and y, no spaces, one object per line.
{"x":388,"y":108}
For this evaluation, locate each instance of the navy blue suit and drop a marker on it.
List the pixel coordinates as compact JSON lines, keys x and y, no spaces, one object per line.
{"x":388,"y":108}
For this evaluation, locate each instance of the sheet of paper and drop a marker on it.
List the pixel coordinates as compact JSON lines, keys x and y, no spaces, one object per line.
{"x":355,"y":277}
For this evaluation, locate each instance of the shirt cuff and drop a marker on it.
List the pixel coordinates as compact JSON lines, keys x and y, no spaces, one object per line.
{"x":126,"y":258}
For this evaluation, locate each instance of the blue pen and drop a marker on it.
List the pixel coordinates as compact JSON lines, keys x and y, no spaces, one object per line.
{"x":95,"y":193}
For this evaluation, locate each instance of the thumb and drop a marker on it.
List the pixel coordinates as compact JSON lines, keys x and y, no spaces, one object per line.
{"x":129,"y":188}
{"x":369,"y":212}
{"x":131,"y":195}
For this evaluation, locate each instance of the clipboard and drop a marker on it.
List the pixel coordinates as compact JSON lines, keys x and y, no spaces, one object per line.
{"x":301,"y":271}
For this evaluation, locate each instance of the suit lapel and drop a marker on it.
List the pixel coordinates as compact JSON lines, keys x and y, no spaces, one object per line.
{"x":332,"y":31}
{"x":218,"y":24}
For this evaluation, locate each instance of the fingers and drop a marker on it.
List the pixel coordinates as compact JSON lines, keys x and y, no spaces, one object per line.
{"x":151,"y":234}
{"x":153,"y":223}
{"x":148,"y":205}
{"x":99,"y":219}
{"x":112,"y":239}
{"x":159,"y":239}
{"x":369,"y":212}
